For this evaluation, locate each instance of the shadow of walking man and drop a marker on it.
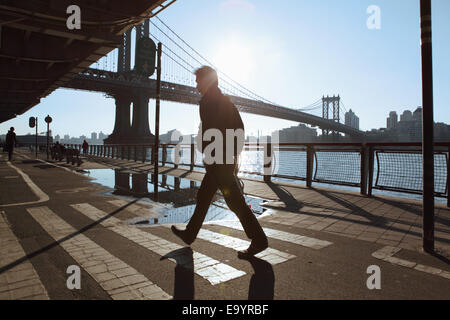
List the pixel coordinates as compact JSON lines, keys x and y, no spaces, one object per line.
{"x":262,"y":282}
{"x":184,"y":273}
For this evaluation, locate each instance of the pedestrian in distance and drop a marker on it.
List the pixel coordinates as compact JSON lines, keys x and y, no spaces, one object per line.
{"x":217,"y":112}
{"x":10,"y":142}
{"x":85,"y":147}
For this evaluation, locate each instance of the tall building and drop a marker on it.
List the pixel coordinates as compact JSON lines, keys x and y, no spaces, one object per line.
{"x":101,"y":136}
{"x":351,"y":119}
{"x":66,"y":137}
{"x":406,"y":116}
{"x":298,"y":134}
{"x":392,"y":120}
{"x":57,"y":137}
{"x":417,"y":114}
{"x":94,"y":136}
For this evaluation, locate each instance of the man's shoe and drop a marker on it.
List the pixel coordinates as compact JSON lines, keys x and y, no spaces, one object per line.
{"x":182,"y":234}
{"x":255,"y":247}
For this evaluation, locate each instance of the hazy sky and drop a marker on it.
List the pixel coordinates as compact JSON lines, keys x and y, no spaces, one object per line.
{"x":291,"y":52}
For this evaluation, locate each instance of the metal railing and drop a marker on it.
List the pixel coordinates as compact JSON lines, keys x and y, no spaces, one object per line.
{"x":368,"y":166}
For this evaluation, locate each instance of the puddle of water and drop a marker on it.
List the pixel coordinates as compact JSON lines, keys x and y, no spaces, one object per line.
{"x":177,"y":196}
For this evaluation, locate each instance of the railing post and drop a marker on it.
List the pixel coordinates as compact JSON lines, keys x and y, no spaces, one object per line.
{"x":152,"y":154}
{"x":364,"y":169}
{"x":267,"y":162}
{"x":128,"y":152}
{"x":144,"y":154}
{"x":309,"y":165}
{"x":448,"y":176}
{"x":164,"y":154}
{"x":371,"y":170}
{"x":192,"y":157}
{"x":121,"y":151}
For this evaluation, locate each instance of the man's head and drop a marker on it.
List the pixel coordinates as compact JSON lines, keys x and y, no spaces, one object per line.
{"x":11,"y":129}
{"x":206,"y":78}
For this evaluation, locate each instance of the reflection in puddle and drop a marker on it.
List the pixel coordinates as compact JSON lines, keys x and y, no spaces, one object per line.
{"x":177,"y":194}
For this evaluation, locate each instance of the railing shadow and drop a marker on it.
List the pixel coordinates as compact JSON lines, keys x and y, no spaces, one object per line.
{"x":374,"y":219}
{"x":285,"y":196}
{"x":58,"y":242}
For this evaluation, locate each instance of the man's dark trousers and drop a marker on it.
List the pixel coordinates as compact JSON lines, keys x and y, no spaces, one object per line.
{"x":10,"y":152}
{"x":222,"y":177}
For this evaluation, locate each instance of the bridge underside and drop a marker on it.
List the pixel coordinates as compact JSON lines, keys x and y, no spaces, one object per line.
{"x":38,"y":52}
{"x":132,"y":85}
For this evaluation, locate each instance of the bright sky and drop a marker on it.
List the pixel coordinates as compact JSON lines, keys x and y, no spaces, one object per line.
{"x":291,"y":52}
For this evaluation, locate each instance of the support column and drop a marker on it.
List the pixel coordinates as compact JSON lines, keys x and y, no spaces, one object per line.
{"x":139,"y":183}
{"x":122,"y":122}
{"x":121,"y":182}
{"x":140,"y":125}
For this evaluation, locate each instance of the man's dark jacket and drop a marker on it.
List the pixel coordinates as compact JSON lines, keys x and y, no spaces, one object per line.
{"x":10,"y":139}
{"x":218,"y":112}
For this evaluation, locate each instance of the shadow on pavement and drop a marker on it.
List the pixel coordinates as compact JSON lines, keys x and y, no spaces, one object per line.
{"x":58,"y":242}
{"x":184,"y":273}
{"x":262,"y":282}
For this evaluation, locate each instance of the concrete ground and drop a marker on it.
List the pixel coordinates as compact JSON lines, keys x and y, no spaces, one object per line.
{"x":323,"y":243}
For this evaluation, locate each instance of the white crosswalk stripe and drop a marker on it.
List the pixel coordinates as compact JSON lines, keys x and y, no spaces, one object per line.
{"x":273,"y":256}
{"x":270,"y":255}
{"x":279,"y":235}
{"x":21,"y":281}
{"x":271,"y":233}
{"x":210,"y":269}
{"x":116,"y":277}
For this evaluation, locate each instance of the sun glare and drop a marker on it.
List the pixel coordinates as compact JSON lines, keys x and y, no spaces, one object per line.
{"x":235,"y":58}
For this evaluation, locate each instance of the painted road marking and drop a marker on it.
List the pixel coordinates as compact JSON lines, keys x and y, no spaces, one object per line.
{"x":212,"y":270}
{"x":387,"y":254}
{"x":279,"y":235}
{"x":270,"y":255}
{"x":43,"y":197}
{"x":22,"y":280}
{"x":144,"y":209}
{"x":117,"y":278}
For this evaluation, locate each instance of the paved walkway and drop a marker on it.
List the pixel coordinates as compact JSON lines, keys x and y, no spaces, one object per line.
{"x":54,"y":222}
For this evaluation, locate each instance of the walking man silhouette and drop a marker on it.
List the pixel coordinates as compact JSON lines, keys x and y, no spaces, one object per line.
{"x":217,"y":112}
{"x":10,"y":142}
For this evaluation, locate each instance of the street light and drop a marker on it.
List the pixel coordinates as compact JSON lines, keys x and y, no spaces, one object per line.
{"x":48,"y":119}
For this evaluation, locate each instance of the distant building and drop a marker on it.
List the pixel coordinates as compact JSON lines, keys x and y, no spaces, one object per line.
{"x":406,"y":116}
{"x":351,"y":119}
{"x":57,"y":137}
{"x":94,"y":136}
{"x":417,"y":114}
{"x":298,"y":134}
{"x":66,"y":137}
{"x":101,"y":136}
{"x":392,"y":120}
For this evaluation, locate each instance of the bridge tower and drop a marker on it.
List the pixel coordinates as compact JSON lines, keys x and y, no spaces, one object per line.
{"x":138,"y":130}
{"x":327,"y":103}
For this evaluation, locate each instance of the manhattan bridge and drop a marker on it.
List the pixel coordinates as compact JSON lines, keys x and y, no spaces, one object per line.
{"x":114,"y":76}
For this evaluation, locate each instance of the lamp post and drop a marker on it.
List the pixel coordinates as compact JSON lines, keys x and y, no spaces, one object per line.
{"x":48,"y":119}
{"x":427,"y":127}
